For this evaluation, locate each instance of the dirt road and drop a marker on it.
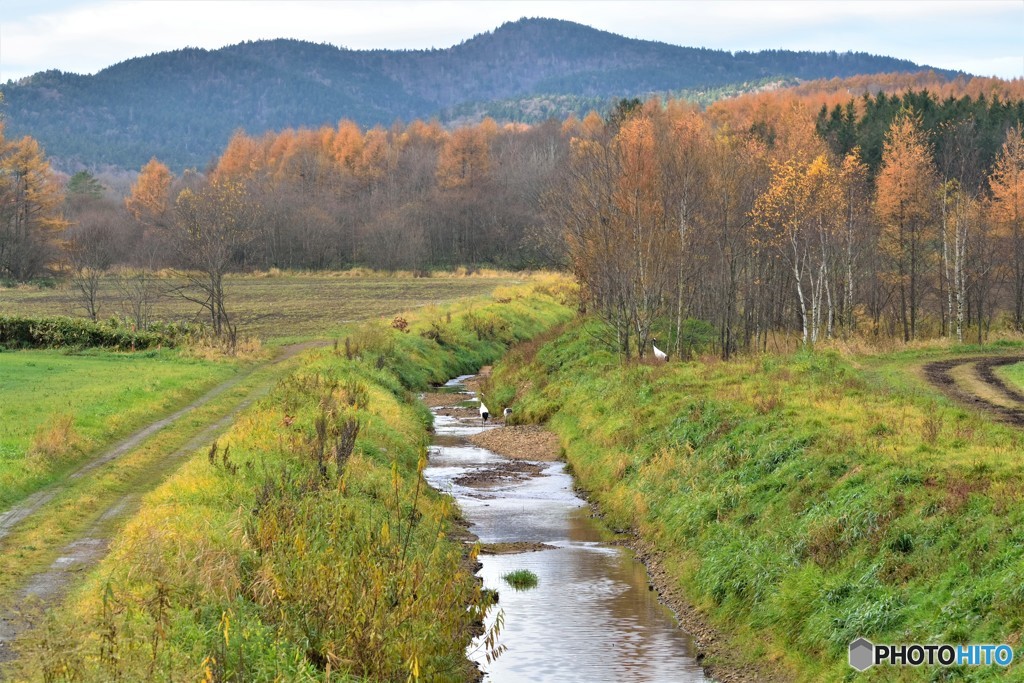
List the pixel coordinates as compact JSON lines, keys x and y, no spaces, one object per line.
{"x":80,"y":548}
{"x":973,"y":381}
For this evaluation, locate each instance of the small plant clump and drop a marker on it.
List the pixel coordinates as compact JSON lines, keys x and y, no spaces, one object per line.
{"x":521,"y":579}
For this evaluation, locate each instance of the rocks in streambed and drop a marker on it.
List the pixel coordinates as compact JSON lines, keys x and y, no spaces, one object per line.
{"x":520,"y":442}
{"x":499,"y":474}
{"x":513,"y":547}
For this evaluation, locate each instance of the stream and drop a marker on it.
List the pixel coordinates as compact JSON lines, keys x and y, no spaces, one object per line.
{"x":592,"y":616}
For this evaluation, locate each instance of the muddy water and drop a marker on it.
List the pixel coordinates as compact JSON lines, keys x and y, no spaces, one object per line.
{"x":592,"y":616}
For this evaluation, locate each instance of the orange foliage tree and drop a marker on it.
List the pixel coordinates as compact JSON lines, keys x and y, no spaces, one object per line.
{"x":1006,"y":211}
{"x":31,"y":219}
{"x":905,"y":208}
{"x":150,"y":196}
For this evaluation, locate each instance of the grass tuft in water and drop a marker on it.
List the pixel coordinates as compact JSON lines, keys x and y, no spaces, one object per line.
{"x":521,"y":579}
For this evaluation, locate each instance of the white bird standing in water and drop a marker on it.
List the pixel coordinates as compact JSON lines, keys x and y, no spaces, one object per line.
{"x":658,"y":353}
{"x":484,"y":413}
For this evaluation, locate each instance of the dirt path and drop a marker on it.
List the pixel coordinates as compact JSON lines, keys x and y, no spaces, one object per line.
{"x":973,"y":381}
{"x":82,"y":549}
{"x":13,"y":516}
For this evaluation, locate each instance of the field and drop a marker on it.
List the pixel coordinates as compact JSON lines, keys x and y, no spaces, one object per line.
{"x":277,"y":307}
{"x":58,"y":408}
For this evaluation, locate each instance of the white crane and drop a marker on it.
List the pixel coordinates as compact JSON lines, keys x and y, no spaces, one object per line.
{"x":484,"y":413}
{"x":658,"y":353}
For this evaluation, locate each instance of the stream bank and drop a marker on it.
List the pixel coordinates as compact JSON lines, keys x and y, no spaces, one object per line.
{"x":593,"y":598}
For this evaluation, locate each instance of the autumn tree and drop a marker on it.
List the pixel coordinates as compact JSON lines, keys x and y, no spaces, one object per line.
{"x":620,"y":239}
{"x":799,"y":216}
{"x":149,"y":200}
{"x":31,"y":203}
{"x":212,"y":223}
{"x":465,"y":158}
{"x":682,"y":156}
{"x":583,"y":206}
{"x":1006,"y":211}
{"x":857,"y":233}
{"x":904,"y":203}
{"x":735,"y":179}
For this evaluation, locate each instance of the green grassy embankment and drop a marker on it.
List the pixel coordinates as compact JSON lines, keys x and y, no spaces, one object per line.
{"x":291,"y":552}
{"x":799,"y":502}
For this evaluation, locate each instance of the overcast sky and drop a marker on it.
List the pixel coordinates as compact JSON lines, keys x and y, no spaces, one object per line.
{"x":984,"y":37}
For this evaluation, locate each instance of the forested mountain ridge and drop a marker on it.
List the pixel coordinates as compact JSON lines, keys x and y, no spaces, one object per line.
{"x":182,"y":106}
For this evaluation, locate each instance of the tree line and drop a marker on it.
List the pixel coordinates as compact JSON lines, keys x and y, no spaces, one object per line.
{"x":779,"y":221}
{"x":888,"y":215}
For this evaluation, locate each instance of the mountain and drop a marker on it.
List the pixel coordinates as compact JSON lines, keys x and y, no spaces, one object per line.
{"x":182,"y":106}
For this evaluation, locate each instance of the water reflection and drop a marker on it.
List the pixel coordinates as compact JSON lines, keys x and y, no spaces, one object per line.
{"x":591,"y":617}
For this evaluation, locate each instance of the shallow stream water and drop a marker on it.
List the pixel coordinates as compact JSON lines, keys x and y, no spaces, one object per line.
{"x":592,"y":616}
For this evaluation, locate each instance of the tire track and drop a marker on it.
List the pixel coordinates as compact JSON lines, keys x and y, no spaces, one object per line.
{"x":10,"y":518}
{"x":86,"y":548}
{"x":938,"y":374}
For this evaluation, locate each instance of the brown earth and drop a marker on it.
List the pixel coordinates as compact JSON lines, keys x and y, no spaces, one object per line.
{"x":998,"y":399}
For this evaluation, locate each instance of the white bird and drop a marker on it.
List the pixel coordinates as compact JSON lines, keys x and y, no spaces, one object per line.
{"x":507,"y":413}
{"x":484,"y":413}
{"x":658,"y":353}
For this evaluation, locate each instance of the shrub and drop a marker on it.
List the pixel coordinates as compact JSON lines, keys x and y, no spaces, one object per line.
{"x":61,"y":331}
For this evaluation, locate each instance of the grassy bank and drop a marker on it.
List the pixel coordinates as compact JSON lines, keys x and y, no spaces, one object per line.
{"x":305,"y":545}
{"x":799,"y":502}
{"x":57,"y":408}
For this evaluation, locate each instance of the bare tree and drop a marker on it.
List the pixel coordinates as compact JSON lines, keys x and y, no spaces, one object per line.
{"x":91,"y":252}
{"x":213,"y":224}
{"x":139,"y":290}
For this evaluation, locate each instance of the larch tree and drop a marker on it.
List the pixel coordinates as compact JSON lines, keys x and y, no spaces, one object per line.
{"x":31,"y":202}
{"x":905,"y":207}
{"x":465,"y":159}
{"x":149,"y":200}
{"x":1006,"y":212}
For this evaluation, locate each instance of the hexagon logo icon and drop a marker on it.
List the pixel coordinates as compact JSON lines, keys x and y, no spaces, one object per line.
{"x":862,"y":654}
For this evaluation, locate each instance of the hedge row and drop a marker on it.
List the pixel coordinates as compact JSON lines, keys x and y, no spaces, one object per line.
{"x":61,"y":331}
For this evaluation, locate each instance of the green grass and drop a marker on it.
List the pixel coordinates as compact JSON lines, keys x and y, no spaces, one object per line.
{"x":58,"y":408}
{"x":283,"y":307}
{"x":521,"y":579}
{"x":799,"y":501}
{"x":267,"y":562}
{"x":1012,"y":375}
